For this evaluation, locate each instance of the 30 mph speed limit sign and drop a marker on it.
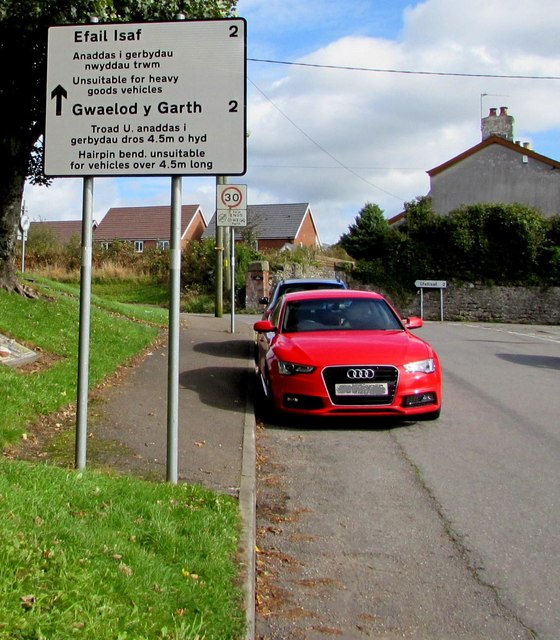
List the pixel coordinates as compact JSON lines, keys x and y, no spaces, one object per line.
{"x":231,"y":206}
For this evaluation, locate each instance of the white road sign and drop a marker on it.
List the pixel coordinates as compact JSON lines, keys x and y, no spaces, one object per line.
{"x":231,"y":207}
{"x":165,"y":98}
{"x":24,"y":223}
{"x":431,"y":284}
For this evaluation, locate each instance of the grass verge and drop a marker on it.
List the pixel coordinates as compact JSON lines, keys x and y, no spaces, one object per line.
{"x":85,"y":555}
{"x":92,"y":555}
{"x":50,"y":326}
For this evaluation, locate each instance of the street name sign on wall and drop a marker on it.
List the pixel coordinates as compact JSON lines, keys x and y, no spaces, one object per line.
{"x":140,"y":99}
{"x":430,"y":284}
{"x":231,"y":210}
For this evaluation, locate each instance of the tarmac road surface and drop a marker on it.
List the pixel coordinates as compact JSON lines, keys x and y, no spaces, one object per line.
{"x":355,"y":546}
{"x":433,"y":531}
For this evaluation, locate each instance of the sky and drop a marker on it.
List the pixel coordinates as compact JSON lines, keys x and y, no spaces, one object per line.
{"x":350,"y":103}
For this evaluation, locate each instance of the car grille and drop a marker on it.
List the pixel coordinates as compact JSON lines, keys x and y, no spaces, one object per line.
{"x":382,"y":374}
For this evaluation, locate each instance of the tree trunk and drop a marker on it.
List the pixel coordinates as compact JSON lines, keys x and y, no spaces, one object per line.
{"x":11,"y":194}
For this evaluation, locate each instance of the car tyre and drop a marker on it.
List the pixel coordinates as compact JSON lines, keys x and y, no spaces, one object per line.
{"x":264,"y":401}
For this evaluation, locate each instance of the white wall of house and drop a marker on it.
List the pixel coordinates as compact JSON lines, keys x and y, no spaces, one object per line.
{"x":497,"y":174}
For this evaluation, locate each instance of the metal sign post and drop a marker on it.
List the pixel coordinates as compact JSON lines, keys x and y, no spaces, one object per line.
{"x":145,"y":99}
{"x":232,"y":278}
{"x":431,"y":284}
{"x":174,"y":329}
{"x":231,"y":212}
{"x":85,"y":324}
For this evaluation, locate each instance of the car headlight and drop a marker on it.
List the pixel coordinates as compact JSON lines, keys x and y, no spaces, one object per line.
{"x":291,"y":368}
{"x":421,"y":366}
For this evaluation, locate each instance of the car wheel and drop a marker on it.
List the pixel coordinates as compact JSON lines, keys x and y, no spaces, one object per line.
{"x":263,"y":398}
{"x":268,"y":388}
{"x":265,"y":407}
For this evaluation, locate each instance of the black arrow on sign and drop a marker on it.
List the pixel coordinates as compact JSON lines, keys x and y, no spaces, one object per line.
{"x":59,"y":93}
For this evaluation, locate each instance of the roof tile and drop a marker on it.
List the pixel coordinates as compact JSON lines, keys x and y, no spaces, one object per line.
{"x":142,"y":223}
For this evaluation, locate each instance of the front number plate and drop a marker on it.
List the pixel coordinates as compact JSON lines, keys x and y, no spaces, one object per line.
{"x":362,"y":389}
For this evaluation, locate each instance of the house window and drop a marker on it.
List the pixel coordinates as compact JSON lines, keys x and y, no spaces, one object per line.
{"x":139,"y":246}
{"x":105,"y":245}
{"x":163,"y":244}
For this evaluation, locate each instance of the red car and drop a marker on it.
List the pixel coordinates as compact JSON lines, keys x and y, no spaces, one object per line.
{"x":346,"y":353}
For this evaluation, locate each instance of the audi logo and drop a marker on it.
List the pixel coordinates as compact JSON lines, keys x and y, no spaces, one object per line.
{"x":360,"y":374}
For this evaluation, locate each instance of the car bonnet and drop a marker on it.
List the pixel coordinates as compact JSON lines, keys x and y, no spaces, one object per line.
{"x":324,"y":348}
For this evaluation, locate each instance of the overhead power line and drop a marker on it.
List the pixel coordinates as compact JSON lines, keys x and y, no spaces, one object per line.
{"x":325,"y":151}
{"x":407,"y":71}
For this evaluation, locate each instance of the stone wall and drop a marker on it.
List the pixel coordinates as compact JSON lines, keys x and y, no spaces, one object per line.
{"x":260,"y":281}
{"x":256,"y":284}
{"x":516,"y":305}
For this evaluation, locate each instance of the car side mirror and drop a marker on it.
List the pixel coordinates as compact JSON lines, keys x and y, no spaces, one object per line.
{"x":264,"y":326}
{"x":263,"y":300}
{"x":414,"y":322}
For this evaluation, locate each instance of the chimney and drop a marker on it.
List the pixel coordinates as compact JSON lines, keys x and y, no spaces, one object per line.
{"x":497,"y":124}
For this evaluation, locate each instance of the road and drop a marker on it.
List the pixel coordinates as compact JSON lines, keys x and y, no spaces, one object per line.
{"x":432,"y":531}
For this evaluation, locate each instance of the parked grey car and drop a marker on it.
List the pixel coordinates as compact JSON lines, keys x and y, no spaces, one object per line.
{"x":297,"y":284}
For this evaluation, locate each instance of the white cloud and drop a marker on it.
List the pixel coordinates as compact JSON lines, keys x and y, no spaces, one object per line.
{"x":390,"y":128}
{"x":337,"y":138}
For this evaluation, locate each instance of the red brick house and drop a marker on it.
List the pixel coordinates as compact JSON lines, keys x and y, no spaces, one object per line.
{"x":149,"y":227}
{"x":61,"y":230}
{"x":276,"y":225}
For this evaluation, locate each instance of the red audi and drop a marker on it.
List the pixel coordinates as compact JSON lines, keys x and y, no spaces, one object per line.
{"x":346,"y":353}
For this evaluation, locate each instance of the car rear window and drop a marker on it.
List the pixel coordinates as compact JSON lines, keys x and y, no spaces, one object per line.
{"x":295,"y":288}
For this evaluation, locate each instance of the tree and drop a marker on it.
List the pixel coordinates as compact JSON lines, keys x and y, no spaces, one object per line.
{"x":486,"y":242}
{"x":426,"y":252}
{"x":366,"y":238}
{"x":199,"y":264}
{"x":496,"y":242}
{"x":23,"y":57}
{"x":550,"y":255}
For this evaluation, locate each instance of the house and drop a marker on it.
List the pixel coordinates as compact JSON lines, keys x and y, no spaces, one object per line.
{"x":497,"y":169}
{"x":275,"y":226}
{"x":149,"y":227}
{"x":63,"y":231}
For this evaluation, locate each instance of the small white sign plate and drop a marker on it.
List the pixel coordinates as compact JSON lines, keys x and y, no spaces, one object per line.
{"x":431,"y":284}
{"x":231,"y":202}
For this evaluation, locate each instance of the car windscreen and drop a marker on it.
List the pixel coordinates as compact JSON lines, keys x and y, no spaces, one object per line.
{"x":339,"y":315}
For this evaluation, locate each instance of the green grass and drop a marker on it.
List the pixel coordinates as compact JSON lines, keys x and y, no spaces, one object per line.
{"x":86,"y":555}
{"x":50,"y":325}
{"x":91,"y":555}
{"x":137,"y":299}
{"x":137,"y":292}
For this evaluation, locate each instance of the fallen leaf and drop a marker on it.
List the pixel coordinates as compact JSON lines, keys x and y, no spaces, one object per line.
{"x":27,"y":602}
